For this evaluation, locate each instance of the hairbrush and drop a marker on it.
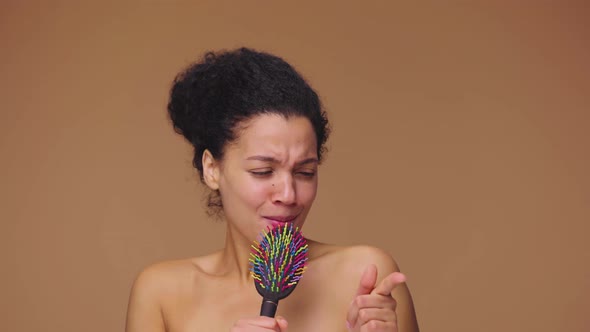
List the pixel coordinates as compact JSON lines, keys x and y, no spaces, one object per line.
{"x":277,"y":263}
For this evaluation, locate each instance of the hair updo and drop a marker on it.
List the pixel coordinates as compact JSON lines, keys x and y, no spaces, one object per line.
{"x":210,"y":98}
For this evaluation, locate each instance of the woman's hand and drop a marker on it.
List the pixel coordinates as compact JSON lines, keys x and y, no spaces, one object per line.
{"x":373,"y":308}
{"x":260,"y":324}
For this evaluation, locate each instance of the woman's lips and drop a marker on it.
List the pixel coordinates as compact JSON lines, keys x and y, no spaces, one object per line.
{"x":277,"y":220}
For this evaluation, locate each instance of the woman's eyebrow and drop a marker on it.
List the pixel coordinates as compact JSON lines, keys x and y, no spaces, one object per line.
{"x":272,"y":160}
{"x":264,"y":158}
{"x":312,"y":160}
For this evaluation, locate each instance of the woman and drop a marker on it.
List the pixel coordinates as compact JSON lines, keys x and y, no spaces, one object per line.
{"x":259,"y":132}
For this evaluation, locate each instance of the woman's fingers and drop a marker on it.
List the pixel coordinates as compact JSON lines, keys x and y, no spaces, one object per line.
{"x":389,"y":283}
{"x":368,"y":280}
{"x":368,"y":314}
{"x":374,"y":301}
{"x":374,"y":310}
{"x":282,"y":323}
{"x":379,"y":326}
{"x":261,"y":324}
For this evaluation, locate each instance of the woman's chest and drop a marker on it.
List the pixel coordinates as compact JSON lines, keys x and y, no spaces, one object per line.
{"x":308,"y":309}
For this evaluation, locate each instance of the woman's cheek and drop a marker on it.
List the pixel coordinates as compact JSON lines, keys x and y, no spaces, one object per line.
{"x":258,"y":192}
{"x":307,"y":191}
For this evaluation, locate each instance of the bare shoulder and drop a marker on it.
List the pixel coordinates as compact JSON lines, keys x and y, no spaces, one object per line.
{"x":163,"y":279}
{"x":349,"y":263}
{"x":157,"y":277}
{"x":153,"y":287}
{"x":360,"y":256}
{"x":353,"y":260}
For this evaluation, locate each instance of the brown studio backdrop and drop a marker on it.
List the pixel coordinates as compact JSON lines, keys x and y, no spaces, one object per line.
{"x":460,"y":145}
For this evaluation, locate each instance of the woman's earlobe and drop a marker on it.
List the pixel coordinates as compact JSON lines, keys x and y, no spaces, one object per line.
{"x":210,"y":170}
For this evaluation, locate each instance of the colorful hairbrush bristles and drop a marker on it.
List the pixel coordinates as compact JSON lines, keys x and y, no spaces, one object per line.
{"x":277,"y":263}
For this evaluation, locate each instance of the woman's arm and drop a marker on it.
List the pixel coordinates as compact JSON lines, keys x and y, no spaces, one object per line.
{"x":406,"y":315}
{"x":144,"y":313}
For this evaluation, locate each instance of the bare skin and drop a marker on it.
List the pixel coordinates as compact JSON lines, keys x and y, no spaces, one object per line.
{"x":201,"y":295}
{"x":344,"y":288}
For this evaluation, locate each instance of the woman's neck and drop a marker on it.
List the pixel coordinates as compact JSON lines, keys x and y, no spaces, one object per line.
{"x":235,"y":256}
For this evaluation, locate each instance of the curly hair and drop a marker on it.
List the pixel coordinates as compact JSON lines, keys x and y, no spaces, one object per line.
{"x":210,"y":98}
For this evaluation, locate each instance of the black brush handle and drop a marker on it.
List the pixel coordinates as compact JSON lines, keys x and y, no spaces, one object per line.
{"x":268,"y":308}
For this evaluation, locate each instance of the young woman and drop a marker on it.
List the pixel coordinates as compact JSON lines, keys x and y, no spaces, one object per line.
{"x":259,"y":132}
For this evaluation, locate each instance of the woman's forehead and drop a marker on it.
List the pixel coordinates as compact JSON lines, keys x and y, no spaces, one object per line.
{"x":273,"y":133}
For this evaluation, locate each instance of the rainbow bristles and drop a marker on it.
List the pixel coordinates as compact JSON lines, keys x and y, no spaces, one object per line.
{"x":279,"y":260}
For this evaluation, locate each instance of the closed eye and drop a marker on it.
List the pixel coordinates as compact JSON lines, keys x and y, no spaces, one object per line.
{"x":307,"y":174}
{"x":261,"y":173}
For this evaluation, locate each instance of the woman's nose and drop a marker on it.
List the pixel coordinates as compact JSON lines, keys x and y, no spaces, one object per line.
{"x":284,"y":191}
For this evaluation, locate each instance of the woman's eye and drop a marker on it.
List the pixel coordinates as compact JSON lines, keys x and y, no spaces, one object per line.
{"x":307,"y":174}
{"x":261,"y":173}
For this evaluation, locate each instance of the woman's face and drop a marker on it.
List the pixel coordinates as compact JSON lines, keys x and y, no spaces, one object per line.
{"x":269,"y":175}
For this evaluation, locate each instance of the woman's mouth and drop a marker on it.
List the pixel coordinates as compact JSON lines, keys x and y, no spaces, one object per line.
{"x":279,"y":220}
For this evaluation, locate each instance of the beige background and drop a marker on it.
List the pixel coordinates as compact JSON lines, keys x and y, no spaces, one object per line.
{"x":460,"y":145}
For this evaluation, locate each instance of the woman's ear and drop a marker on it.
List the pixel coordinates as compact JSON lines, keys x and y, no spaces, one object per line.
{"x":210,"y":170}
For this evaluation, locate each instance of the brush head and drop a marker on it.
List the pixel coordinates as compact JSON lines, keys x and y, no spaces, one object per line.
{"x":278,"y":261}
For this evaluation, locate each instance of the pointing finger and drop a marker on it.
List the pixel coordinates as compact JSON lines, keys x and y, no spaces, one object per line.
{"x":389,"y":283}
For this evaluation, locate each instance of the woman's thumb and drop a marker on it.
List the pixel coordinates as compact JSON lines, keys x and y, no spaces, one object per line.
{"x":282,"y":323}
